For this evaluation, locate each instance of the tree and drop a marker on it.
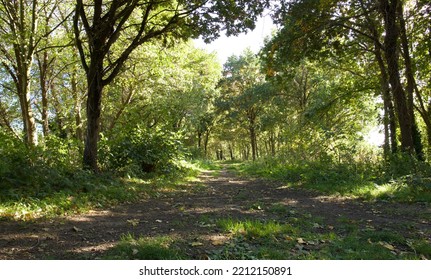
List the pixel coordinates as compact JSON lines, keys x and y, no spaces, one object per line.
{"x":171,"y":89}
{"x":21,"y":34}
{"x":336,"y":28}
{"x":244,"y":93}
{"x":133,"y":23}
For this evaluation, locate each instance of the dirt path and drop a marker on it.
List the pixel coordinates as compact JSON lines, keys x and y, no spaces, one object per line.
{"x":184,"y":214}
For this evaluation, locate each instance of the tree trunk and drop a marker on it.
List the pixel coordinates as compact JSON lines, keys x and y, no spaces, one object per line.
{"x":411,"y":82}
{"x":428,"y":130}
{"x":231,"y":152}
{"x":206,"y":140}
{"x":94,"y":101}
{"x":77,"y":106}
{"x":43,"y":81}
{"x":405,"y":119}
{"x":272,"y":142}
{"x":199,"y":140}
{"x":252,"y":133}
{"x":23,"y":89}
{"x":389,"y":119}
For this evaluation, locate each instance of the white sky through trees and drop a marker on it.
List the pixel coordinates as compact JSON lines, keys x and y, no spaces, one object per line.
{"x":227,"y":46}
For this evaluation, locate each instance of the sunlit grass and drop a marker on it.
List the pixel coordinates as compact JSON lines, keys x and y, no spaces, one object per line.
{"x":145,"y":248}
{"x":86,"y":191}
{"x":301,"y":237}
{"x":254,"y":228}
{"x":339,"y":180}
{"x":50,"y":203}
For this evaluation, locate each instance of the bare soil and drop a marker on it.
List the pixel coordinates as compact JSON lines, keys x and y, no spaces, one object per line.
{"x":183,"y":215}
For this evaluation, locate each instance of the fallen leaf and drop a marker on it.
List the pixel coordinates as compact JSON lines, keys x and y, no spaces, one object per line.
{"x":135,"y":251}
{"x":287,"y":237}
{"x":387,"y":245}
{"x":159,"y":221}
{"x":195,"y":244}
{"x":217,"y":242}
{"x":301,"y":241}
{"x":204,"y":225}
{"x":331,"y":227}
{"x":76,"y":229}
{"x":133,"y":222}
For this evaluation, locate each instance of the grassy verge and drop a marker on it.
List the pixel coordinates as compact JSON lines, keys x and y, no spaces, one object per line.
{"x":82,"y":191}
{"x":342,"y":180}
{"x":300,"y":237}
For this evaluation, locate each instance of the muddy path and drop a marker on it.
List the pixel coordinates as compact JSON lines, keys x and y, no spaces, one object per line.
{"x":186,"y":215}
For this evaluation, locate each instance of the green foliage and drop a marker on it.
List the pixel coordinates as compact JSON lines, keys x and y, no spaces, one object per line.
{"x":37,"y":168}
{"x":144,"y":151}
{"x":48,"y":180}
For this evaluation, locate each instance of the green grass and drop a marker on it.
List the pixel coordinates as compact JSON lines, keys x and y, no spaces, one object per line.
{"x":301,"y":237}
{"x":83,"y":191}
{"x":98,"y":191}
{"x":207,"y":165}
{"x":341,"y":180}
{"x":145,"y":248}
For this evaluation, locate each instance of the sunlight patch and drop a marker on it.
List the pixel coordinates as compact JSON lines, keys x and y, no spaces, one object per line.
{"x":95,"y":248}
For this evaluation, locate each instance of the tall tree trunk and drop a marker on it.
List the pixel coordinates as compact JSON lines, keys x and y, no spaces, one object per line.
{"x":77,"y":106}
{"x":272,"y":143}
{"x":199,"y":140}
{"x":94,"y":101}
{"x":411,"y":83}
{"x":44,"y":85}
{"x":251,"y":115}
{"x":232,"y":157}
{"x":389,"y":119}
{"x":23,"y":89}
{"x":405,"y":119}
{"x":252,"y":131}
{"x":206,"y":140}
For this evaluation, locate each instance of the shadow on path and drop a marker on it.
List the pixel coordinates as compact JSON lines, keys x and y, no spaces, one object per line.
{"x":183,"y":215}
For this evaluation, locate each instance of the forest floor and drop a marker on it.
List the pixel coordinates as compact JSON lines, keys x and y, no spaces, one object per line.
{"x":196,"y":221}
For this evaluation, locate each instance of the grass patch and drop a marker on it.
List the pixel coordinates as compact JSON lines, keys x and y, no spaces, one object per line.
{"x":82,"y":191}
{"x":145,"y":248}
{"x":347,"y":180}
{"x":207,"y":165}
{"x":304,"y":237}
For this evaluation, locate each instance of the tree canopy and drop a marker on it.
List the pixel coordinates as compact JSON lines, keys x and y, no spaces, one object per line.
{"x":91,"y":73}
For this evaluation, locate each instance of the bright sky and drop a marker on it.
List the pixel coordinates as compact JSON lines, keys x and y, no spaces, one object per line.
{"x":227,"y":46}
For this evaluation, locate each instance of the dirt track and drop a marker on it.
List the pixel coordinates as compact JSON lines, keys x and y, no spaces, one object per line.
{"x":181,"y":214}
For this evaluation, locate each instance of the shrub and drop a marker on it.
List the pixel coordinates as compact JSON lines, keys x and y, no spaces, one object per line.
{"x":143,"y":150}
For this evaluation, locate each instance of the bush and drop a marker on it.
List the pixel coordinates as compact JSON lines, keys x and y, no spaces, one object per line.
{"x":33,"y":170}
{"x":145,"y":151}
